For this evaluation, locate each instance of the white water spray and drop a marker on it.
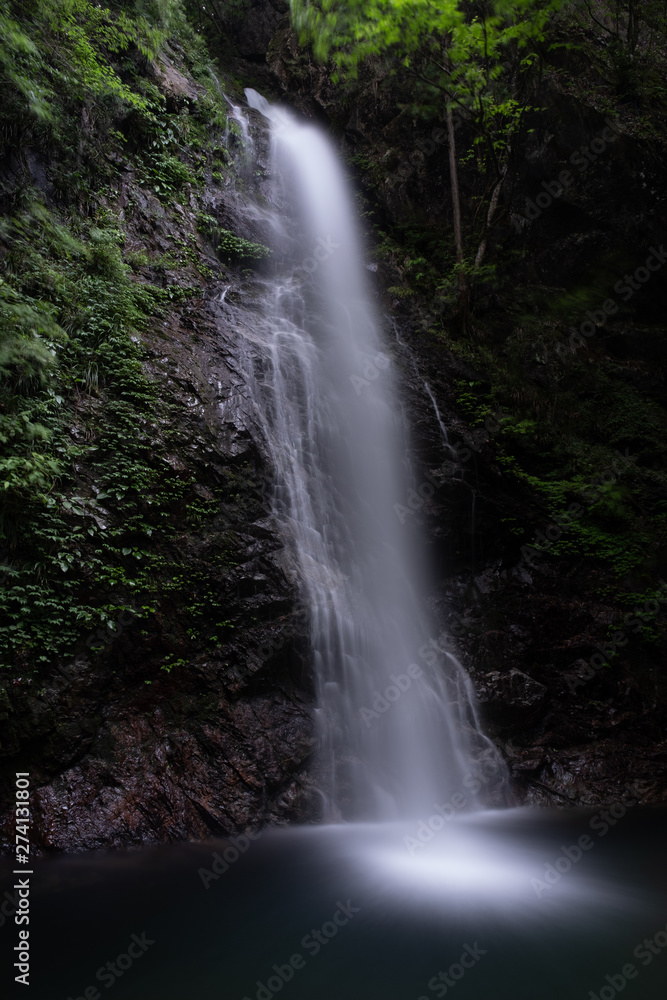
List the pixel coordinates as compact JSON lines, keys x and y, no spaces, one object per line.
{"x":396,"y":714}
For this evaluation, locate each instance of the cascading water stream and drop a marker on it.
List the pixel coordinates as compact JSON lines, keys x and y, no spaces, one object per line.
{"x":396,"y":714}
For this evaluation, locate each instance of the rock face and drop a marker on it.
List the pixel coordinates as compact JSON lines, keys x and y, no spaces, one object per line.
{"x":260,"y":23}
{"x":512,"y":700}
{"x":190,"y":714}
{"x":138,"y":740}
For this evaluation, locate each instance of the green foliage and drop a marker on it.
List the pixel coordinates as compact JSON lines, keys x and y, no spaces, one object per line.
{"x":159,"y":140}
{"x":26,"y":329}
{"x":91,"y":518}
{"x":623,"y":44}
{"x":22,"y":66}
{"x":163,"y":14}
{"x":66,"y":44}
{"x":352,"y":30}
{"x":457,"y":48}
{"x":599,"y":444}
{"x":72,"y":71}
{"x":67,"y":331}
{"x":229,"y":246}
{"x":475,"y":59}
{"x":58,"y":535}
{"x":478,"y":409}
{"x":171,"y":661}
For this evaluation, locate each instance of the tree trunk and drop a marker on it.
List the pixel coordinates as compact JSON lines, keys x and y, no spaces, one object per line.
{"x":454,"y":181}
{"x":456,"y":208}
{"x":493,"y":207}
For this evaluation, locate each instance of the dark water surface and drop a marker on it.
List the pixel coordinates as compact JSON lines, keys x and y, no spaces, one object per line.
{"x":351,"y":913}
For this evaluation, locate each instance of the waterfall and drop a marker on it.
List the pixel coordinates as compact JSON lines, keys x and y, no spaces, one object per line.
{"x":396,"y":717}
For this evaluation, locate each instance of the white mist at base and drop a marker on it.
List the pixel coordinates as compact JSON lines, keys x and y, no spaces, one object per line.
{"x":396,"y":714}
{"x":493,"y":863}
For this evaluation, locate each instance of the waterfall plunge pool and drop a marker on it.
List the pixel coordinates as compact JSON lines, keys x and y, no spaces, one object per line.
{"x":520,"y":904}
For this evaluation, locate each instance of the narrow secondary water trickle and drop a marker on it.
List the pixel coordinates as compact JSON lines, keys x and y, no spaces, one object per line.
{"x":396,"y":714}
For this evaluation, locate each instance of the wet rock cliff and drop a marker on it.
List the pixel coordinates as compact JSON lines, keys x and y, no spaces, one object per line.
{"x":156,"y":687}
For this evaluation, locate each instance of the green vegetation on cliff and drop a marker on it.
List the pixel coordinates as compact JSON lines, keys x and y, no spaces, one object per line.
{"x":99,"y":132}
